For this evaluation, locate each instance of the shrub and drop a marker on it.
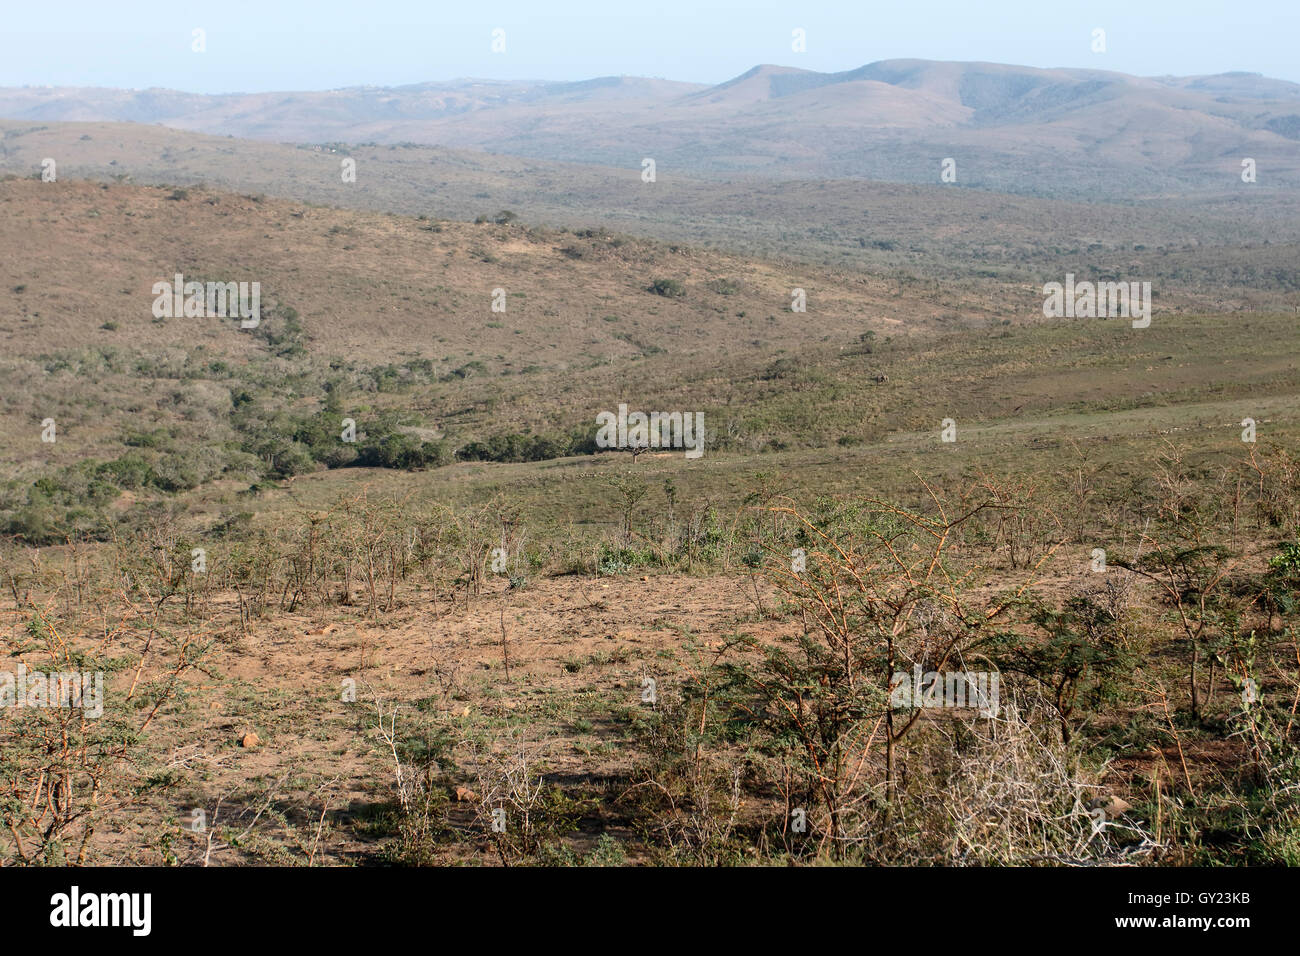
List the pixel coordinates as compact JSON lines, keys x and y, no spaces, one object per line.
{"x":669,"y":288}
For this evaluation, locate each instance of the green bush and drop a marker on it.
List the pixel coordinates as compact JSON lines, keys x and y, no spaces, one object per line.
{"x":669,"y":288}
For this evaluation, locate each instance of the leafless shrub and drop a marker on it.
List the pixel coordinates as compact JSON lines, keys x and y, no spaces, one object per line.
{"x":516,"y":810}
{"x":1015,"y":795}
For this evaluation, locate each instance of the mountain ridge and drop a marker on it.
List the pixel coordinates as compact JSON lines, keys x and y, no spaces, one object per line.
{"x":1059,"y":131}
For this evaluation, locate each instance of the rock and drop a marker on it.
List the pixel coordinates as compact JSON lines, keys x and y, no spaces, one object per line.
{"x":249,"y":740}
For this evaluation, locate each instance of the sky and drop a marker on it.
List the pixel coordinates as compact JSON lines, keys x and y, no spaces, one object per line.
{"x":327,"y":44}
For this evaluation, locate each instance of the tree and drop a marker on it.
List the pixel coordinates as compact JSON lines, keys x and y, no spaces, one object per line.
{"x":876,"y":594}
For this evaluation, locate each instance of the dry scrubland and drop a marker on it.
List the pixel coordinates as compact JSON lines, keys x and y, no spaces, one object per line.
{"x":524,"y":686}
{"x":1232,"y":247}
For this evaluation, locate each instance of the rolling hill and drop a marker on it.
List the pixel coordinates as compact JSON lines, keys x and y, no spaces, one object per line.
{"x":1065,"y":132}
{"x":1224,"y":251}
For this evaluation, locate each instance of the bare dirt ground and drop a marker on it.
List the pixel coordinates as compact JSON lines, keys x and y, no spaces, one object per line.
{"x":557,"y":669}
{"x":580,"y":652}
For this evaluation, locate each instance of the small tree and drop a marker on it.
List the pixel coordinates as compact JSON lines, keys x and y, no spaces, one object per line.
{"x":1081,"y":654}
{"x":875,"y":593}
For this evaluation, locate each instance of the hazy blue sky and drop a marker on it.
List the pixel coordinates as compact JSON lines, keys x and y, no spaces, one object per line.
{"x":319,"y":44}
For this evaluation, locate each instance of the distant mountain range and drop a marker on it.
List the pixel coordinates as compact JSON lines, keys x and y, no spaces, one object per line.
{"x":1055,"y":132}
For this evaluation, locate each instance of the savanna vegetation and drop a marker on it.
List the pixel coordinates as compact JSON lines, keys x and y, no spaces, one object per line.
{"x":363,"y":590}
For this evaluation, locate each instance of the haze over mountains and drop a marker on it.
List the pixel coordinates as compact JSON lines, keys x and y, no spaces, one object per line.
{"x":1058,"y":132}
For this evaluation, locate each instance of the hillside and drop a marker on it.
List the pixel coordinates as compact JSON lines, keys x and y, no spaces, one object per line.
{"x":1058,"y":133}
{"x":1232,"y":250}
{"x":373,"y":285}
{"x":202,"y":530}
{"x":388,"y":320}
